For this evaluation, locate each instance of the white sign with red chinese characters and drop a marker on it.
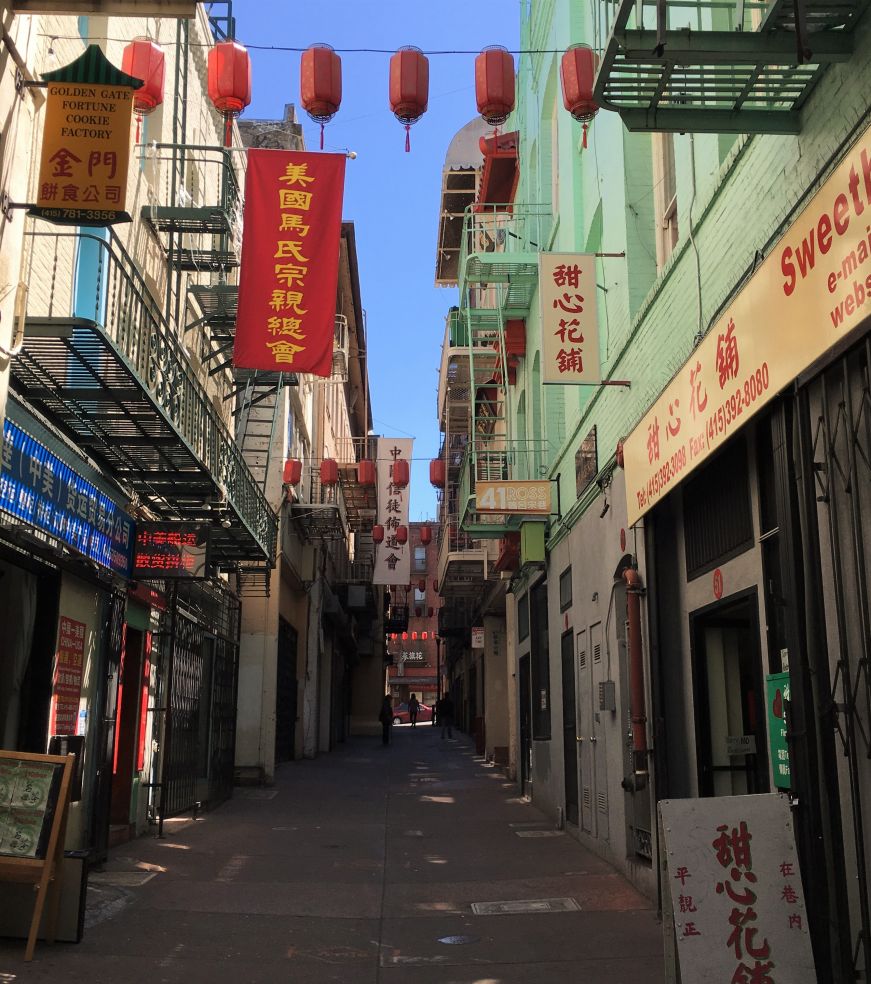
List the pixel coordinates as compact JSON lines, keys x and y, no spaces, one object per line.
{"x":569,"y":330}
{"x":392,"y":558}
{"x":735,"y":887}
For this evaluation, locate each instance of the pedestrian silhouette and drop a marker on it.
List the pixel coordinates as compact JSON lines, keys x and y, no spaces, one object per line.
{"x":446,"y":715}
{"x":386,"y":718}
{"x":413,"y":708}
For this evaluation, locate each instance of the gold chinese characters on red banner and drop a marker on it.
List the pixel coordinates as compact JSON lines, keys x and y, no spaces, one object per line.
{"x":569,"y":330}
{"x":290,"y":262}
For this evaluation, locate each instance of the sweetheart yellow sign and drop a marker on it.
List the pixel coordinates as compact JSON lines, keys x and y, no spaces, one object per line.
{"x":810,"y":293}
{"x":86,"y":143}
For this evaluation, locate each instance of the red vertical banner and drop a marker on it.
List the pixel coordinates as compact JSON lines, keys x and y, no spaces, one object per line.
{"x":290,"y":261}
{"x":67,"y":682}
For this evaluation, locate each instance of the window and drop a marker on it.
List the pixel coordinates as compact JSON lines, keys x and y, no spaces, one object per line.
{"x":419,"y":559}
{"x":522,"y":617}
{"x":565,"y":589}
{"x":664,"y":197}
{"x":419,"y":596}
{"x":718,"y":521}
{"x":586,"y":462}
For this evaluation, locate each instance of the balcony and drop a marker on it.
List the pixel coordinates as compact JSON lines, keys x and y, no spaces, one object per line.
{"x":499,"y":249}
{"x":462,"y":565}
{"x":517,"y":460}
{"x":320,"y":511}
{"x":101,"y":363}
{"x":361,"y":501}
{"x":715,"y":67}
{"x":201,"y":222}
{"x":467,"y":363}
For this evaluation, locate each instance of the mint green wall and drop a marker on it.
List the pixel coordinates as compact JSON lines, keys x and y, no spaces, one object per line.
{"x":744,"y":189}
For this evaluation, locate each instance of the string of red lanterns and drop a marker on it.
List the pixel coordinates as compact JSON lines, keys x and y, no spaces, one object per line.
{"x":145,"y":60}
{"x":229,"y":83}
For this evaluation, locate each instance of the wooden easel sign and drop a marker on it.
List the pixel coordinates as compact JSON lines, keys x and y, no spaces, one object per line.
{"x":34,"y":803}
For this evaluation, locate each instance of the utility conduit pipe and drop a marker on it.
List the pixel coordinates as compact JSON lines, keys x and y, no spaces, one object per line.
{"x":638,"y":716}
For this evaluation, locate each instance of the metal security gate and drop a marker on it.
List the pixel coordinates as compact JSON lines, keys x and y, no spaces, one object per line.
{"x":832,"y":447}
{"x":198,"y":686}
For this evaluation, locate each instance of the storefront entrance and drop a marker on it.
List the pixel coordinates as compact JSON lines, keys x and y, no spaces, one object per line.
{"x":730,"y":711}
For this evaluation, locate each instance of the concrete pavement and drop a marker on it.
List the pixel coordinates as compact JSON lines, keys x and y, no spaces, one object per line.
{"x":366,"y":865}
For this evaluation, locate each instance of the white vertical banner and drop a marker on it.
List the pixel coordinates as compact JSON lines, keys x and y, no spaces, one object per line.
{"x":392,"y":559}
{"x":569,"y":327}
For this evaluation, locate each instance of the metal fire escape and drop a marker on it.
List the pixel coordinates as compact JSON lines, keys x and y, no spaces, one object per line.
{"x":714,"y":67}
{"x":498,"y":276}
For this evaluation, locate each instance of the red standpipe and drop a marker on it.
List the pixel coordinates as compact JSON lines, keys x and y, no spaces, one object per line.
{"x":634,"y":590}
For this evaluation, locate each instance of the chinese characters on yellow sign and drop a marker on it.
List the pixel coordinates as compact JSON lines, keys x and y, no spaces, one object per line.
{"x":807,"y":295}
{"x":569,"y":332}
{"x":290,"y":262}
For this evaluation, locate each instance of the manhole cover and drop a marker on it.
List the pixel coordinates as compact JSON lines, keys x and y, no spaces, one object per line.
{"x":459,"y":940}
{"x":539,"y":833}
{"x":524,"y":906}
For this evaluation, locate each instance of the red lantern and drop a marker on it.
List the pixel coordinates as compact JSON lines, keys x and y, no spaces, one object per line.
{"x":378,"y":533}
{"x":494,"y":84}
{"x":402,"y":535}
{"x":366,"y":472}
{"x":229,"y":81}
{"x":145,"y":60}
{"x":400,"y":473}
{"x":577,"y":74}
{"x":409,"y":87}
{"x":292,"y":471}
{"x":393,"y":636}
{"x":404,"y":636}
{"x":425,"y":537}
{"x":429,"y":612}
{"x":424,"y":635}
{"x":421,"y":585}
{"x":320,"y":84}
{"x":329,"y":472}
{"x":414,"y":634}
{"x":437,"y":473}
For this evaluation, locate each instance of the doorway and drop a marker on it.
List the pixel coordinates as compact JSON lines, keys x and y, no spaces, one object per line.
{"x":730,"y":707}
{"x":286,"y":693}
{"x":525,"y":720}
{"x":570,"y":727}
{"x":131,"y":677}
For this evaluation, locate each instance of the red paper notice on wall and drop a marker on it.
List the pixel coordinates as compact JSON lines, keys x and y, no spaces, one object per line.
{"x":290,"y":261}
{"x":67,"y":683}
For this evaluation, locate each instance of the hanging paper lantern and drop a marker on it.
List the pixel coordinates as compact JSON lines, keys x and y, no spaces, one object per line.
{"x":400,"y":473}
{"x":429,"y":612}
{"x":414,"y":634}
{"x":229,"y":81}
{"x":366,"y":472}
{"x":329,"y":472}
{"x":424,"y":635}
{"x":145,"y":60}
{"x":494,"y":84}
{"x":577,"y":74}
{"x":378,"y":533}
{"x":437,"y":473}
{"x":402,"y":536}
{"x":393,"y":636}
{"x":421,"y":585}
{"x":404,"y":636}
{"x":320,"y":84}
{"x":425,"y":537}
{"x":409,"y":87}
{"x":292,"y":471}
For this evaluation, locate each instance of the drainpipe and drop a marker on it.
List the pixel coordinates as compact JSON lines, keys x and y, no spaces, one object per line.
{"x":634,"y":591}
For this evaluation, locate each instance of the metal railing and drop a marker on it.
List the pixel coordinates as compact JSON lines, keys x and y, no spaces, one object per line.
{"x":509,"y":229}
{"x":209,"y":175}
{"x":118,"y":301}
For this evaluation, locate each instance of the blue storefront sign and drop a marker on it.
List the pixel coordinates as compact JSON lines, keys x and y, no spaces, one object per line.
{"x":44,"y":491}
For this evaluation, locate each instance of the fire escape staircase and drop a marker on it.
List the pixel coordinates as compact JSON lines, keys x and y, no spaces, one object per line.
{"x":713,"y":67}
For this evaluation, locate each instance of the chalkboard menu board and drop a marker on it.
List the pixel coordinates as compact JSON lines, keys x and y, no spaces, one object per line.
{"x":28,"y":799}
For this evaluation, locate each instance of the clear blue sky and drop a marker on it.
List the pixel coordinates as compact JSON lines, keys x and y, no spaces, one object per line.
{"x":392,"y":197}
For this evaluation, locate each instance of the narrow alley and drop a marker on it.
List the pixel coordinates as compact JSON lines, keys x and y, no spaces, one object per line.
{"x":365,"y":865}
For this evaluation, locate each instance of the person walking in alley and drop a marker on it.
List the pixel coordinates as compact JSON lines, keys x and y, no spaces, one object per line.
{"x":446,"y":714}
{"x":413,"y":708}
{"x":386,"y":719}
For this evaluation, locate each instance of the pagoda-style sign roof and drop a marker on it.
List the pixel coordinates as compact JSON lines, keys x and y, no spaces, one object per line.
{"x":92,"y":67}
{"x":109,"y":8}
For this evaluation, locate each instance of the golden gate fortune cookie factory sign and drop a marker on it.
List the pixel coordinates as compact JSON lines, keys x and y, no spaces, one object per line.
{"x":86,"y":143}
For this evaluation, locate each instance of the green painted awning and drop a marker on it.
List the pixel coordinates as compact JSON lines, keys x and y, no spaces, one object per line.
{"x":92,"y":67}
